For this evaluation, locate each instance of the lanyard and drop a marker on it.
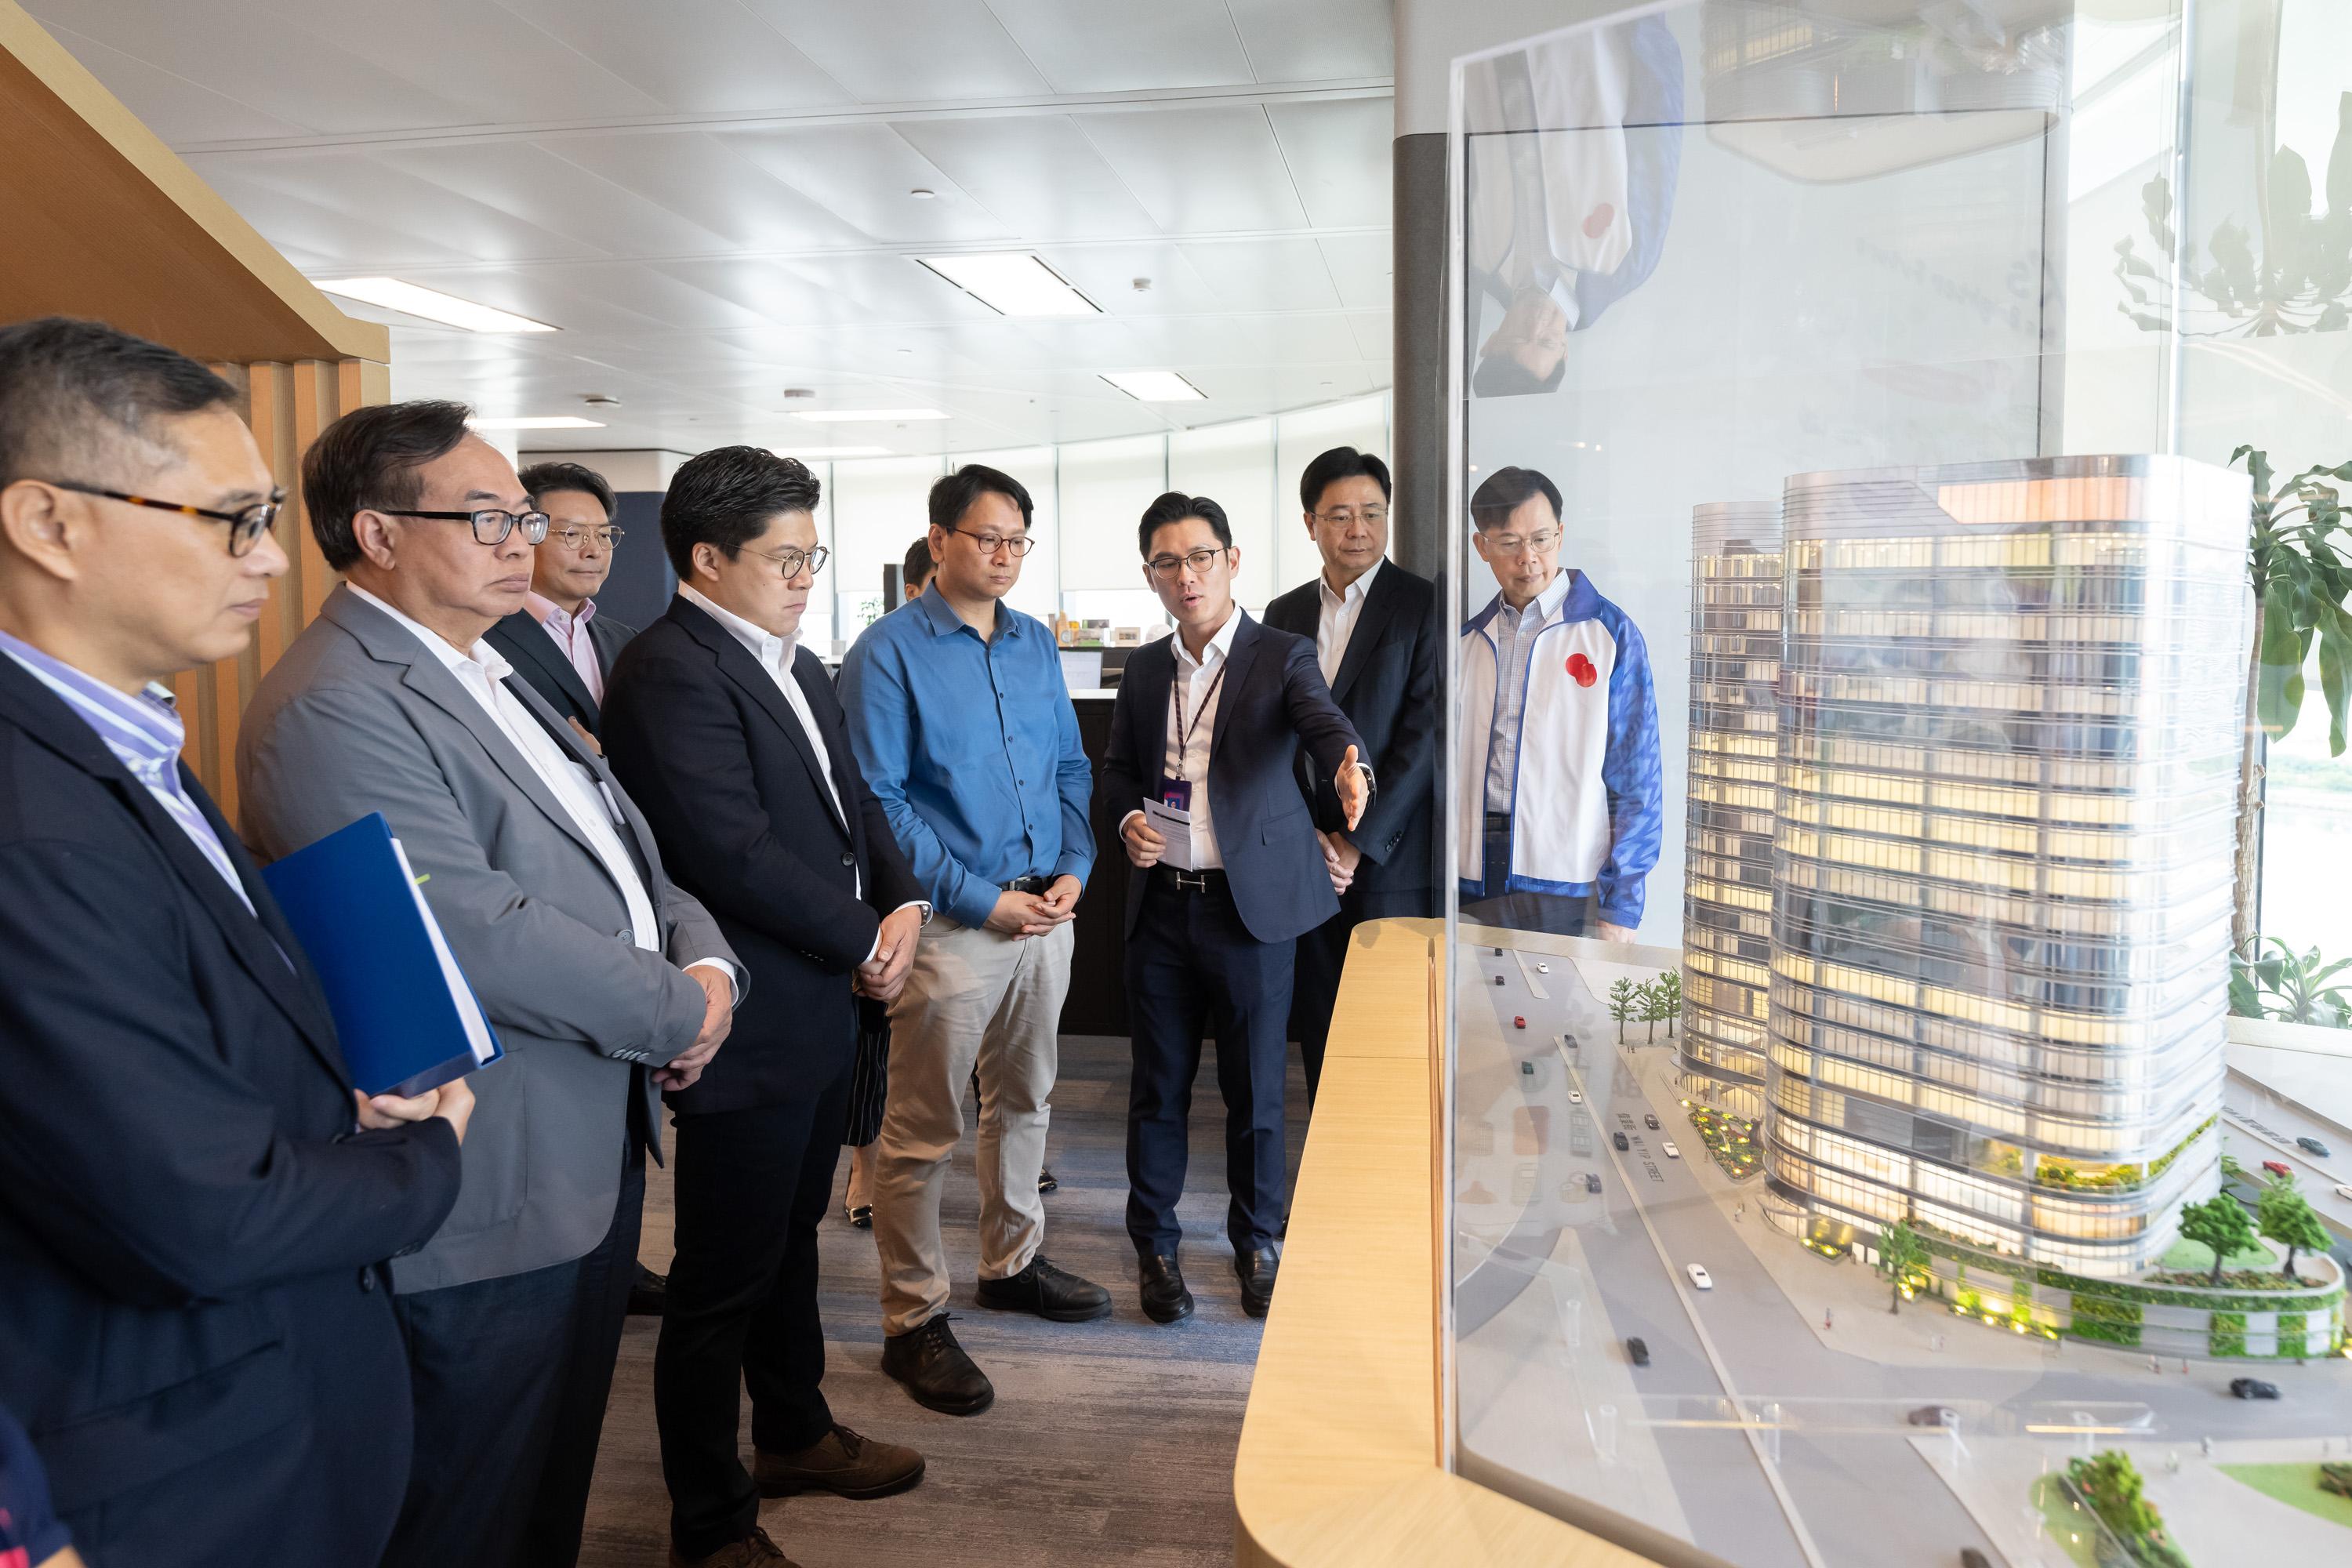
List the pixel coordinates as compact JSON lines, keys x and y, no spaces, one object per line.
{"x":1184,"y":727}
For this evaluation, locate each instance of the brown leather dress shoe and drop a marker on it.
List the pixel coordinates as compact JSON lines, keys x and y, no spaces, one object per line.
{"x":841,"y":1462}
{"x":754,"y":1550}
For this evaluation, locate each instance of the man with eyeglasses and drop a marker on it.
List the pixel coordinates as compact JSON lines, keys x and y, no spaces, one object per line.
{"x":1204,"y":739}
{"x":1377,"y":642}
{"x":1560,"y":805}
{"x":195,"y":1205}
{"x":605,"y":982}
{"x":729,"y":733}
{"x":964,"y":729}
{"x":560,"y":640}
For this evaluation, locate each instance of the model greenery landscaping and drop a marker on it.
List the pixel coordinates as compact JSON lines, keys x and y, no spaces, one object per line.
{"x":1651,"y":1002}
{"x":2285,"y":1217}
{"x":2110,"y":1484}
{"x":1903,"y":1260}
{"x":2220,"y":1223}
{"x":1731,"y":1140}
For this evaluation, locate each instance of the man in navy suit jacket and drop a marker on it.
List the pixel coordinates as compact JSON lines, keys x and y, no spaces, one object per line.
{"x":195,"y":1321}
{"x":1208,"y":723}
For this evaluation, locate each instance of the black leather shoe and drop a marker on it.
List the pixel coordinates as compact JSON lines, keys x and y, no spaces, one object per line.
{"x":1165,"y":1299}
{"x":649,"y":1297}
{"x":935,"y":1370}
{"x":1055,"y":1294}
{"x":1255,"y":1270}
{"x":1047,"y":1182}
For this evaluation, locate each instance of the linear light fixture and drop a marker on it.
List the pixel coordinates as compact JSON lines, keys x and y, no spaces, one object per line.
{"x":535,"y":421}
{"x":1154,"y":385}
{"x":412,"y":300}
{"x":871,"y":415}
{"x":804,"y":453}
{"x":1012,"y":283}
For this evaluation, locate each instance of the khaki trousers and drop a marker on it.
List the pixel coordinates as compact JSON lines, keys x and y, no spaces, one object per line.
{"x":974,"y":998}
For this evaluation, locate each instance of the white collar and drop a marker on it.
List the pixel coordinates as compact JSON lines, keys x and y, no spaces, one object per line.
{"x":770,"y":649}
{"x":1357,"y":589}
{"x":484,"y":657}
{"x":1221,"y":644}
{"x":545,"y":609}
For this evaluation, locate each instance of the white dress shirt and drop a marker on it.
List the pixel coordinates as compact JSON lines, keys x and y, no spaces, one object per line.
{"x":583,"y":797}
{"x":1336,"y":623}
{"x":1196,"y":694}
{"x":1514,"y":630}
{"x":775,"y":654}
{"x":570,"y":630}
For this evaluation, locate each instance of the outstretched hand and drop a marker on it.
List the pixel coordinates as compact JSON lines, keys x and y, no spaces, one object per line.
{"x":1355,"y":789}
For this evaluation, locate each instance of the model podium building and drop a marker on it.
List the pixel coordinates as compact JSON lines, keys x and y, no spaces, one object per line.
{"x":2010,"y":698}
{"x":1735,"y":668}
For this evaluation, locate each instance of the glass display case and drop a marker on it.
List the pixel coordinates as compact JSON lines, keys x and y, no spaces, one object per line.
{"x":1856,"y":721}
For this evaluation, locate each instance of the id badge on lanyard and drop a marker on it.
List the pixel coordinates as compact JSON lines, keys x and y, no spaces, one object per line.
{"x":1176,"y":790}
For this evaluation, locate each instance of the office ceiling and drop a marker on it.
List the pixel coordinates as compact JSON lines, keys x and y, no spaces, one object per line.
{"x":710,"y":198}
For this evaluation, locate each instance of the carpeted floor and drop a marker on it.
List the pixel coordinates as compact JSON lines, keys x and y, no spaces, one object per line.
{"x":1109,"y":1442}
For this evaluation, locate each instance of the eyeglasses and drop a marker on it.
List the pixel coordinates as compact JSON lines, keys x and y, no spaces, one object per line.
{"x":246,"y":526}
{"x":1540,"y":542}
{"x":576,"y":539}
{"x":1165,"y":567}
{"x":990,"y":543}
{"x":490,"y":527}
{"x":790,"y":561}
{"x":1345,"y":516}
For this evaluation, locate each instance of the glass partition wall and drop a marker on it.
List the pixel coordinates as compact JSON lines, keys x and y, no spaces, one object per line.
{"x":1848,"y":759}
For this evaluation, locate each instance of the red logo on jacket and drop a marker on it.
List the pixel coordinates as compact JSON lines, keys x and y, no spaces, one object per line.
{"x":1581,"y":670}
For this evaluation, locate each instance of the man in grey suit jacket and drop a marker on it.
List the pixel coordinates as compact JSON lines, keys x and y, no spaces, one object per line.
{"x":604,"y":982}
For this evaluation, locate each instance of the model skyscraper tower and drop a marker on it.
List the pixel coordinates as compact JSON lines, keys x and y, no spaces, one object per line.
{"x":2010,"y":723}
{"x":1735,"y":666}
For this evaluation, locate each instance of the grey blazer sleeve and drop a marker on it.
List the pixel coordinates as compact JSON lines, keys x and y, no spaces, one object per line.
{"x":333,"y":753}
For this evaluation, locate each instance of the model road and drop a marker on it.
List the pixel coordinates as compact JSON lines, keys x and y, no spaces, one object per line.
{"x":1843,"y":1458}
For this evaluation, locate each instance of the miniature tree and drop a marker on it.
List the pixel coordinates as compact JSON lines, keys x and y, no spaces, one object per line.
{"x":1670,"y":992}
{"x":1900,"y":1254}
{"x":2220,"y":1223}
{"x":2285,"y":1217}
{"x":2111,"y":1483}
{"x":1620,"y":1006}
{"x":2229,"y":1166}
{"x":1651,"y":1007}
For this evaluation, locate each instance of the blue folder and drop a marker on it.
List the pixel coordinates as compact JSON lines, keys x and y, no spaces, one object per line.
{"x":407,"y":1018}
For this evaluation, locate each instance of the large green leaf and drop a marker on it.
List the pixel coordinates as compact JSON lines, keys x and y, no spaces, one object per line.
{"x":2336,"y":671}
{"x":2279,"y":683}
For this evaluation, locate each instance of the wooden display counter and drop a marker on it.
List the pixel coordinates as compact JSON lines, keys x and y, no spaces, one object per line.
{"x":1342,"y":1451}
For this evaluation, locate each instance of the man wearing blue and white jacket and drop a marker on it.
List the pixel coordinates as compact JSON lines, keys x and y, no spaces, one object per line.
{"x":1561,"y":805}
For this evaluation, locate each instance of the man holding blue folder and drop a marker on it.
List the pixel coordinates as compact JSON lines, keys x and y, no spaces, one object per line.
{"x":604,"y":980}
{"x":195,"y":1324}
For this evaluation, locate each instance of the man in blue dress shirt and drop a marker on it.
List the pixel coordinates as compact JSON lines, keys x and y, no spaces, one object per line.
{"x":964,"y":728}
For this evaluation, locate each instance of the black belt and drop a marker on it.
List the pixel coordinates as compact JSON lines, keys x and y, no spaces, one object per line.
{"x":1499,"y":819}
{"x":1208,"y":881}
{"x":1024,"y":885}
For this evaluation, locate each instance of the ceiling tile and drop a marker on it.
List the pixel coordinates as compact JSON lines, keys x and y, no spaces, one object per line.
{"x":1375,"y":337}
{"x":1263,"y":275}
{"x":1339,"y":155}
{"x":862,"y":174}
{"x":1317,"y":40}
{"x":1200,"y":171}
{"x":323,"y":234}
{"x":1121,"y":45}
{"x":965,"y":52}
{"x":1361,"y":265}
{"x":1038,"y":174}
{"x":369,"y":190}
{"x":535,"y":184}
{"x":496,"y":68}
{"x":709,"y":57}
{"x":707,"y":184}
{"x":172,"y":107}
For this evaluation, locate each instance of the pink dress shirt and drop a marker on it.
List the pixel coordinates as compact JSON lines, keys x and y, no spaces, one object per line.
{"x":571,"y":634}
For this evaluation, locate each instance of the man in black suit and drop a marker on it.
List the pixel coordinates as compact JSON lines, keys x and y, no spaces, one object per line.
{"x":729,"y":735}
{"x":558,"y":641}
{"x":195,"y":1324}
{"x":1207,"y":730}
{"x":1374,"y":626}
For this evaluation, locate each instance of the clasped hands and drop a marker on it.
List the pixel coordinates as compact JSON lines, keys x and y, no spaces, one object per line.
{"x":1023,"y":915}
{"x":883,"y":974}
{"x":718,"y":1019}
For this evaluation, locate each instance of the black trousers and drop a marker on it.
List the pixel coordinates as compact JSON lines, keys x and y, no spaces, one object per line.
{"x":1193,"y":967}
{"x":510,"y":1378}
{"x":752,"y":1189}
{"x":1323,"y":953}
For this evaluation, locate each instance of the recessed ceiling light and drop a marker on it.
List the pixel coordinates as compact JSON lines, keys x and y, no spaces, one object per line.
{"x":1012,"y":283}
{"x":807,"y":452}
{"x":875,"y":415}
{"x":1154,"y":385}
{"x":534,"y":422}
{"x":411,"y":299}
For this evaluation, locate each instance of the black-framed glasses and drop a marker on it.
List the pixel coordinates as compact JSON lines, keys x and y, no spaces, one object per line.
{"x":791,"y":561}
{"x":245,"y":527}
{"x":990,"y":543}
{"x":1345,"y":516}
{"x":490,"y":526}
{"x":576,"y":539}
{"x":1165,"y":567}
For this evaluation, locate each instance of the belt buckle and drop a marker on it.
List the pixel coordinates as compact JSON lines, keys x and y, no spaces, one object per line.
{"x":1196,"y":882}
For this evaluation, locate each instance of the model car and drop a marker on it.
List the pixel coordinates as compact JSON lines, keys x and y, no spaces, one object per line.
{"x":1519,"y":1022}
{"x":1672,"y":1152}
{"x":1932,"y":1415}
{"x":1569,"y":1041}
{"x":2312,"y":1146}
{"x":2277,"y":1168}
{"x":1619,"y":1139}
{"x":1592,"y":1181}
{"x":1543,"y":969}
{"x":2343,"y":1190}
{"x":1528,"y":1069}
{"x":1576,"y":1097}
{"x":1498,"y":980}
{"x":1650,"y":1120}
{"x":1972,"y":1558}
{"x":1699,"y":1278}
{"x":1637,"y":1351}
{"x":2252,"y":1388}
